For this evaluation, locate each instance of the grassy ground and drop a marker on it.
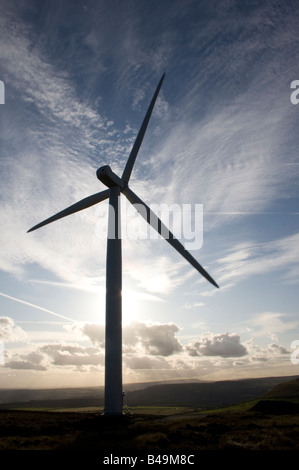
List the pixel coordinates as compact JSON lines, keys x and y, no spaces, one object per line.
{"x":159,"y":429}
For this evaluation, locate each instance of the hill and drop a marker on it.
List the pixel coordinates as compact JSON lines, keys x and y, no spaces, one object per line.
{"x":203,"y":395}
{"x":287,"y":390}
{"x":197,"y":394}
{"x":271,"y":424}
{"x":283,"y":399}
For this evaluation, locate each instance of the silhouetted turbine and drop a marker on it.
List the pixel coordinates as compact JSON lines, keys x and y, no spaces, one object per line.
{"x":116,"y":186}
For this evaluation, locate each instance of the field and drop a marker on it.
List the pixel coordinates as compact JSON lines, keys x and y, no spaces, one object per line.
{"x":267,"y":423}
{"x":153,"y":430}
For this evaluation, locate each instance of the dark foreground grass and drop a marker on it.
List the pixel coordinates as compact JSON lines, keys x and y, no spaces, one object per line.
{"x":248,"y":430}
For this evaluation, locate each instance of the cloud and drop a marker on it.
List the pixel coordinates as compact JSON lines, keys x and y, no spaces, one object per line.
{"x":194,"y":305}
{"x":224,"y":133}
{"x":144,"y":347}
{"x":148,"y":349}
{"x":153,"y":339}
{"x":10,"y":332}
{"x":73,"y":355}
{"x":94,"y":331}
{"x":33,"y":360}
{"x":229,"y":159}
{"x":146,"y":362}
{"x":223,"y":345}
{"x":161,"y":275}
{"x":214,"y":152}
{"x":157,"y":339}
{"x":272,"y":323}
{"x":267,"y":353}
{"x":47,"y":130}
{"x":248,"y":259}
{"x":229,"y":152}
{"x":40,"y":83}
{"x":50,"y":356}
{"x":24,"y":365}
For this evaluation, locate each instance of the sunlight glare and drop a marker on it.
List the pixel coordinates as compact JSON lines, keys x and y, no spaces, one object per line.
{"x":130,"y":307}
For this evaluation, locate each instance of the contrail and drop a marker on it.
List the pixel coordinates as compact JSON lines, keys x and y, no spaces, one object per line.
{"x":36,"y":306}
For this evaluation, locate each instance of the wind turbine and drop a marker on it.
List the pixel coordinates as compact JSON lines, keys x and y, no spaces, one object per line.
{"x":113,"y":331}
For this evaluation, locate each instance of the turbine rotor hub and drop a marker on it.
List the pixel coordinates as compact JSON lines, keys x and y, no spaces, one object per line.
{"x":109,"y":178}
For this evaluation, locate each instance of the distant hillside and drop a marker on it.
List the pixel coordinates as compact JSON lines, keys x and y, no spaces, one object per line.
{"x":76,"y":393}
{"x":282,"y":399}
{"x":287,"y":391}
{"x":197,"y":394}
{"x":42,"y":395}
{"x":203,"y":395}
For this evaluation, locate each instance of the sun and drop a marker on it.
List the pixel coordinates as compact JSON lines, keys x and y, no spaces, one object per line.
{"x":130,"y":306}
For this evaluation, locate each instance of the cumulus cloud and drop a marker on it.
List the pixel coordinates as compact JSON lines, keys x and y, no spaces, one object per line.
{"x":9,"y":332}
{"x":277,"y":349}
{"x":33,"y":360}
{"x":148,"y":348}
{"x":24,"y":365}
{"x":49,"y":355}
{"x":73,"y":355}
{"x":266,"y":353}
{"x":224,"y":345}
{"x":154,"y":339}
{"x":94,"y":331}
{"x":141,"y":341}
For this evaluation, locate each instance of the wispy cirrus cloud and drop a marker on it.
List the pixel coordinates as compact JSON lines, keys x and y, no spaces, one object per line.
{"x":230,"y":161}
{"x":226,"y":168}
{"x":223,"y":134}
{"x":65,"y":132}
{"x":250,"y":259}
{"x":272,"y":324}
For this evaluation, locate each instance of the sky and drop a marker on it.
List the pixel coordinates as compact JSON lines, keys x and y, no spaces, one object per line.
{"x":219,"y":161}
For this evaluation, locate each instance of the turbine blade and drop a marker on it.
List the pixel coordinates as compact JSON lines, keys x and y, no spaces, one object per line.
{"x":132,"y":157}
{"x":158,"y":225}
{"x":78,"y":206}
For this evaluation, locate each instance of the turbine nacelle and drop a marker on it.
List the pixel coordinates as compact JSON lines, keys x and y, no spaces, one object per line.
{"x":107,"y":177}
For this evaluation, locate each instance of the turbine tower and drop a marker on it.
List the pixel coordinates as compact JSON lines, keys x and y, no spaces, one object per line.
{"x":113,"y":331}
